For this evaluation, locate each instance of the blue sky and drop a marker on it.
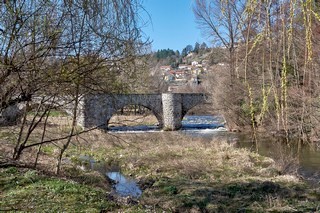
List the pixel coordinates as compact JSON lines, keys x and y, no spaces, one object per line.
{"x":172,"y":24}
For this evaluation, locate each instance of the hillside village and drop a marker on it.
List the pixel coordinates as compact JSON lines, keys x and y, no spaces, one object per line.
{"x":95,"y":118}
{"x":187,"y":76}
{"x":184,"y":74}
{"x":186,"y":71}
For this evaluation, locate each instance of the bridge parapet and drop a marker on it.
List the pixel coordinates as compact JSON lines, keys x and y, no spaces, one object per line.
{"x":99,"y":108}
{"x":169,"y":108}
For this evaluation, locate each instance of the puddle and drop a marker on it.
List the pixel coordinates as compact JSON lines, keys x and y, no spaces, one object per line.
{"x":124,"y":186}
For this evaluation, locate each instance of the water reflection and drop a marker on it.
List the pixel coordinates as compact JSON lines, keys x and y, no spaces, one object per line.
{"x":305,"y":158}
{"x":292,"y":156}
{"x":124,"y":186}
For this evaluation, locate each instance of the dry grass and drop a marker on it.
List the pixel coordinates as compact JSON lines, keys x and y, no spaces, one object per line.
{"x":192,"y":174}
{"x":132,"y":120}
{"x":176,"y":155}
{"x":182,"y":173}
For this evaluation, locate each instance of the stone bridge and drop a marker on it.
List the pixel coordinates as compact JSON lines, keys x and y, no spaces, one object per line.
{"x":168,"y":108}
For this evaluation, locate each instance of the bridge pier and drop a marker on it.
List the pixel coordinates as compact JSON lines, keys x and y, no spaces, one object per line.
{"x":169,"y":108}
{"x":172,"y":111}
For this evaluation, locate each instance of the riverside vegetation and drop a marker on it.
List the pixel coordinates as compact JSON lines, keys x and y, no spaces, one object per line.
{"x":52,"y":49}
{"x":176,"y":173}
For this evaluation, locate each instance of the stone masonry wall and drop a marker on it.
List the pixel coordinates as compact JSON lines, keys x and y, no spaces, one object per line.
{"x":172,"y":110}
{"x":169,"y":108}
{"x":98,"y":109}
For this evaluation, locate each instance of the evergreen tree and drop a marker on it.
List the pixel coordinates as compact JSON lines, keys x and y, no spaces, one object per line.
{"x":203,"y":46}
{"x":196,"y":48}
{"x":188,"y":49}
{"x":165,"y":53}
{"x":184,"y":52}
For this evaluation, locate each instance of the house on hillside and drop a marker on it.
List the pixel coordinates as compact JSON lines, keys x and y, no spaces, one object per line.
{"x":185,"y":67}
{"x":194,"y":63}
{"x":196,"y":71}
{"x":180,"y":74}
{"x":190,"y":54}
{"x":169,"y":77}
{"x":165,"y":68}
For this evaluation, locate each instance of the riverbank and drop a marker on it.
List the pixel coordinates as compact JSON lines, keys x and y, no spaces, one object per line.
{"x":28,"y":190}
{"x":175,"y":172}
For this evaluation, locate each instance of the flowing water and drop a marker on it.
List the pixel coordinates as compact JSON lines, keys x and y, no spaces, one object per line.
{"x":291,"y":157}
{"x":304,"y":159}
{"x":189,"y":123}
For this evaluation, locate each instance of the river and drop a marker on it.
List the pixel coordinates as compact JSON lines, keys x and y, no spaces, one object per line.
{"x":305,"y":159}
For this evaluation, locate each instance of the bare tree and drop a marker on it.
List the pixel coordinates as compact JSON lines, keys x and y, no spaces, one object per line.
{"x":65,"y":49}
{"x":274,"y":61}
{"x":222,"y":22}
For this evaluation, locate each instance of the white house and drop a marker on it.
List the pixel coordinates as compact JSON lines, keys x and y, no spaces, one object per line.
{"x":194,"y":63}
{"x":165,"y":68}
{"x":183,"y":66}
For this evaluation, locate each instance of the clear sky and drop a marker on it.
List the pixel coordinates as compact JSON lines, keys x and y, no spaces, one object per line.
{"x":172,"y":24}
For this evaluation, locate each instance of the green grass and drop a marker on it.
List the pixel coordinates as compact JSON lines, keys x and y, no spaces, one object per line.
{"x":176,"y":173}
{"x":52,"y":113}
{"x":179,"y":194}
{"x":8,"y":135}
{"x":26,"y":190}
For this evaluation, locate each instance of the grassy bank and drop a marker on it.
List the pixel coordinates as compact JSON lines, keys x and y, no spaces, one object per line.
{"x":181,"y":174}
{"x":28,"y":190}
{"x":176,"y":173}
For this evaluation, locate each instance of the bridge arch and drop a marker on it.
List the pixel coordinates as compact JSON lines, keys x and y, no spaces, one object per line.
{"x":122,"y":116}
{"x":169,"y":108}
{"x":152,"y":109}
{"x":97,"y":109}
{"x":192,"y":100}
